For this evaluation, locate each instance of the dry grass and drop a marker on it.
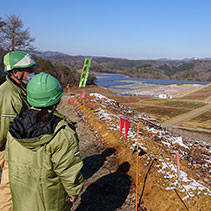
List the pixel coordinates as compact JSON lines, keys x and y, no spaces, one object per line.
{"x":174,"y":103}
{"x":202,"y":94}
{"x":202,"y":121}
{"x":160,"y":113}
{"x":163,"y":110}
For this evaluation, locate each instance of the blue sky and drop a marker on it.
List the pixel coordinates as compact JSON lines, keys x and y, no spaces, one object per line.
{"x":133,"y":29}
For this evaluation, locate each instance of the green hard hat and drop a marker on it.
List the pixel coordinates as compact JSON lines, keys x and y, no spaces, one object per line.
{"x":43,"y":90}
{"x":18,"y":59}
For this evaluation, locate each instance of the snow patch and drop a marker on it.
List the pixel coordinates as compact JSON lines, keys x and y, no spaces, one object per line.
{"x":179,"y":141}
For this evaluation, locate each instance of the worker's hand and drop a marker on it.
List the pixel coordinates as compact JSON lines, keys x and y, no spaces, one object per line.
{"x":73,"y":199}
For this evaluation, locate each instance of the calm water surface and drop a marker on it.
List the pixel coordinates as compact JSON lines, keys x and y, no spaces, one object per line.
{"x":121,"y":83}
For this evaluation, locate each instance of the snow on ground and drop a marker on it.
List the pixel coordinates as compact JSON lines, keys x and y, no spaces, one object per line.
{"x":167,"y":168}
{"x":179,"y":141}
{"x":188,"y":184}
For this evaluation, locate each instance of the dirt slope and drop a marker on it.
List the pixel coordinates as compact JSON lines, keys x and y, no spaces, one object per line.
{"x":158,"y":185}
{"x":107,"y":185}
{"x":110,"y":165}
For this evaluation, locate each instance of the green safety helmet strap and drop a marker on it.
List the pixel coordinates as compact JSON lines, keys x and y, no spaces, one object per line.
{"x":18,"y":59}
{"x":43,"y":90}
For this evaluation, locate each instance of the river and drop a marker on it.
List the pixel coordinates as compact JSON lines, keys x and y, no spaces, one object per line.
{"x":119,"y":83}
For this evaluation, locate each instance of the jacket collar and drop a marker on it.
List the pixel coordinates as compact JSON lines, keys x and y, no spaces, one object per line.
{"x":15,"y":85}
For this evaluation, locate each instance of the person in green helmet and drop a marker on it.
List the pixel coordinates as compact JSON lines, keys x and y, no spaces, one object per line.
{"x":18,"y":66}
{"x":42,"y":152}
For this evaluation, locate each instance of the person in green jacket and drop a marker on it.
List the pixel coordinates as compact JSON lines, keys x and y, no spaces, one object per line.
{"x":42,"y":152}
{"x":19,"y":67}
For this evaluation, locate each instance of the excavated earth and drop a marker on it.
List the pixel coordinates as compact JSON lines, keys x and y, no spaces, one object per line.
{"x":107,"y":185}
{"x":110,"y":162}
{"x":110,"y":185}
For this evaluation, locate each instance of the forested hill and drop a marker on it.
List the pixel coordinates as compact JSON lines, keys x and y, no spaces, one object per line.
{"x":195,"y":70}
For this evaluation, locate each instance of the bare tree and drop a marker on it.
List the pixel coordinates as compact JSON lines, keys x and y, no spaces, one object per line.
{"x":14,"y":37}
{"x":2,"y":23}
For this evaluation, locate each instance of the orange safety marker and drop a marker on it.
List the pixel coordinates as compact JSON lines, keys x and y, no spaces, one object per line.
{"x":137,"y":162}
{"x":137,"y":167}
{"x":178,"y":165}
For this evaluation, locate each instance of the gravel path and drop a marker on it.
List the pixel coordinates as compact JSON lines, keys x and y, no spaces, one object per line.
{"x":107,"y":186}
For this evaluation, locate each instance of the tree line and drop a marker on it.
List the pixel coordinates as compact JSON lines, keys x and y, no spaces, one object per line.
{"x":191,"y":70}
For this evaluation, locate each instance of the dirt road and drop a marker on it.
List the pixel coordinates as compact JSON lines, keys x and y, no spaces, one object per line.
{"x":184,"y":117}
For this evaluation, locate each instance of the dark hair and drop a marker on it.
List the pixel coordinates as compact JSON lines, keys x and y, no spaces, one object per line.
{"x":44,"y":115}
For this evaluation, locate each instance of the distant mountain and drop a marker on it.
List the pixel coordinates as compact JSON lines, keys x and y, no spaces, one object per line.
{"x":190,"y":59}
{"x":195,"y":59}
{"x":47,"y":53}
{"x":56,"y":53}
{"x":166,"y":59}
{"x":189,"y":69}
{"x":206,"y":59}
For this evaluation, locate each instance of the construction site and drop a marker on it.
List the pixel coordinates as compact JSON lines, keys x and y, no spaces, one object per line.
{"x":164,"y":130}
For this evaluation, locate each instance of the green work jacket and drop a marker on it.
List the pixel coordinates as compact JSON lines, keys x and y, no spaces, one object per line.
{"x":12,"y":102}
{"x":44,"y":171}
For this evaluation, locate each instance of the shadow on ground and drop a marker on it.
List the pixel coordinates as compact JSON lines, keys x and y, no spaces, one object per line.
{"x":93,"y":163}
{"x":108,"y":193}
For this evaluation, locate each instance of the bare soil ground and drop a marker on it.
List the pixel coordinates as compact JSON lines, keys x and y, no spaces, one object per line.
{"x":107,"y":185}
{"x":164,"y":110}
{"x":202,"y":121}
{"x":153,"y":192}
{"x":174,"y":103}
{"x":109,"y":166}
{"x":107,"y":93}
{"x":158,"y":112}
{"x":201,"y":94}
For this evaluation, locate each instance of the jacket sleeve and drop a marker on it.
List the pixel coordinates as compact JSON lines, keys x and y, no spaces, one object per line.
{"x":67,"y":162}
{"x":10,"y":109}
